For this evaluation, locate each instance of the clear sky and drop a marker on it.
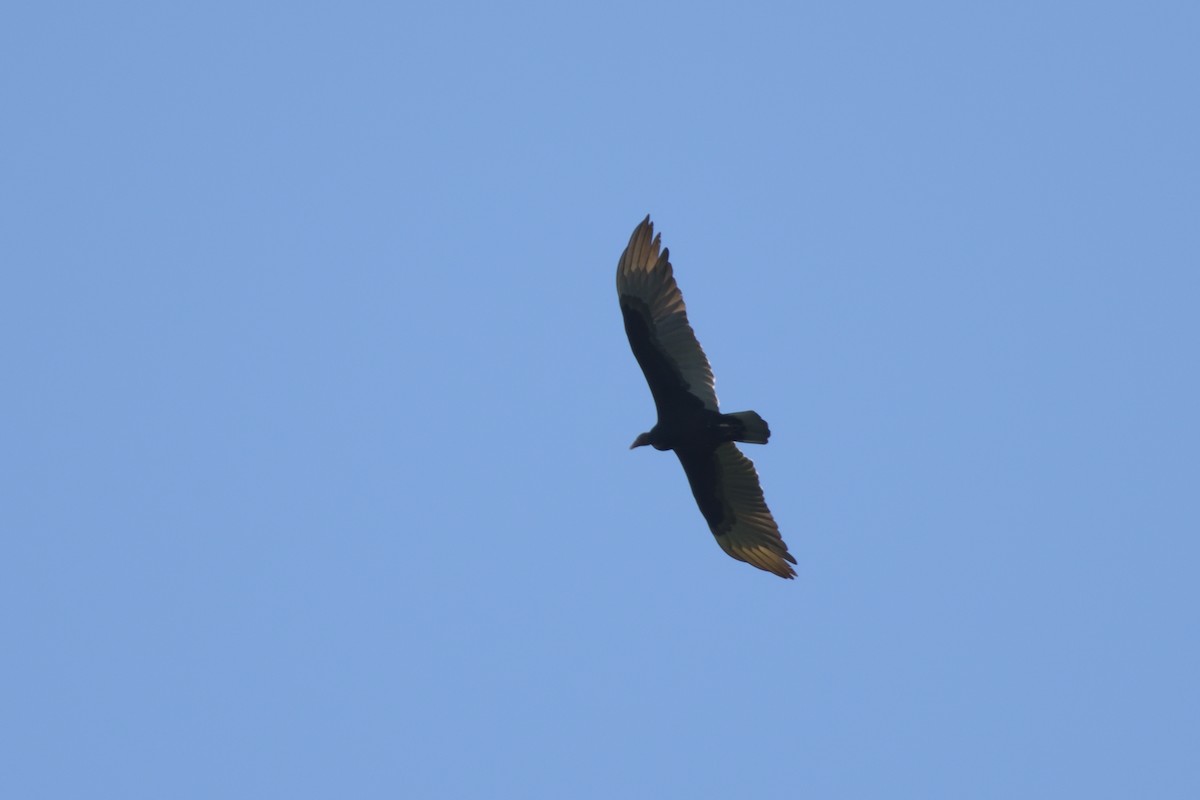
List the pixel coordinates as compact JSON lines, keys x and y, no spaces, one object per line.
{"x":317,"y":401}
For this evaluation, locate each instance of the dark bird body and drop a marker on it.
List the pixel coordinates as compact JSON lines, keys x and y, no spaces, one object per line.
{"x":690,"y":422}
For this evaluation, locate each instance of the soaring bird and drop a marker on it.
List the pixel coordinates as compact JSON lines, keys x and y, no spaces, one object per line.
{"x":723,"y":480}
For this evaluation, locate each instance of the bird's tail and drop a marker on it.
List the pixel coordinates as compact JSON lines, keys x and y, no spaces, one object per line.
{"x":747,"y":426}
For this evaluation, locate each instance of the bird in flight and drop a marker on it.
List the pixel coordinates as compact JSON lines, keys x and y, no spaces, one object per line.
{"x":723,"y":480}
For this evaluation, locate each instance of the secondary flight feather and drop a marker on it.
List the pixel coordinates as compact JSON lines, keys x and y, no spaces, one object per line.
{"x":690,"y":422}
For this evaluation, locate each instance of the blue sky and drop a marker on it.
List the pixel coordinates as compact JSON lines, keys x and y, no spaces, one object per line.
{"x":315,"y":469}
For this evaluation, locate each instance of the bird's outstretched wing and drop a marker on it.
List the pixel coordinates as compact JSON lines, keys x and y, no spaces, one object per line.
{"x":726,"y":488}
{"x":657,"y":325}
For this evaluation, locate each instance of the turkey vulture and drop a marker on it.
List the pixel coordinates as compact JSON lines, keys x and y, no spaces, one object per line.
{"x":689,"y":422}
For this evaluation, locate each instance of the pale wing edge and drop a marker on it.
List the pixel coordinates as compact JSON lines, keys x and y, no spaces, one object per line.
{"x":748,"y":531}
{"x":646,"y":275}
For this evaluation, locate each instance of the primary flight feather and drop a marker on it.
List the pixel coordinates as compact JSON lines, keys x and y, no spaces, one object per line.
{"x":690,"y":422}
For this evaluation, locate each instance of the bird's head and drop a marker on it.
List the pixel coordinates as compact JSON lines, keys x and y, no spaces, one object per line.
{"x":641,"y":441}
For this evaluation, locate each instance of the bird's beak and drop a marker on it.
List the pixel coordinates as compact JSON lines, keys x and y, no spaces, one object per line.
{"x":635,"y":444}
